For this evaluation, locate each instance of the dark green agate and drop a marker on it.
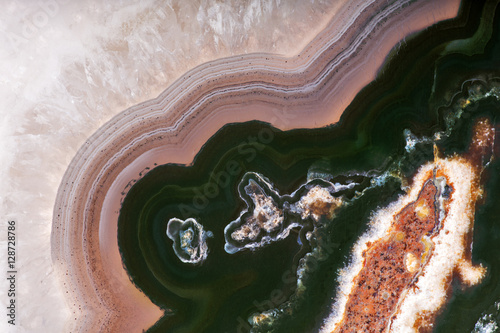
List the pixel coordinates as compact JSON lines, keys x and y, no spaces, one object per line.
{"x":420,"y":90}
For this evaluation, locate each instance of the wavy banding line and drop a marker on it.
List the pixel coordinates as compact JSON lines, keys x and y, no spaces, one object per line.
{"x":311,"y":89}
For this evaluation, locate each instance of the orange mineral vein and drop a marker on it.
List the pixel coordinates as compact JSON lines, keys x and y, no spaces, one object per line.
{"x":402,"y":268}
{"x":392,"y":264}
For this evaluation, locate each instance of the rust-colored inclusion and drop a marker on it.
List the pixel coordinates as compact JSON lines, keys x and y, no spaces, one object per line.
{"x":391,"y":265}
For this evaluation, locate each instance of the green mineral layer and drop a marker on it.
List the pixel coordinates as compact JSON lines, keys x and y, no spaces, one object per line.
{"x":386,"y":133}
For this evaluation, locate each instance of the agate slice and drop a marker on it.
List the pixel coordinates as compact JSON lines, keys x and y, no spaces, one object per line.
{"x":329,"y":191}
